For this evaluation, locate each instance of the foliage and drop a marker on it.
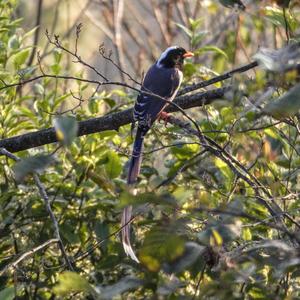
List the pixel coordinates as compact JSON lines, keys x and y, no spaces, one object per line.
{"x":213,"y":222}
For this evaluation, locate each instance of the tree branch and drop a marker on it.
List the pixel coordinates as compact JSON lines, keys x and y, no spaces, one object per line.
{"x":108,"y":122}
{"x":45,"y":198}
{"x":216,"y":79}
{"x":27,"y":254}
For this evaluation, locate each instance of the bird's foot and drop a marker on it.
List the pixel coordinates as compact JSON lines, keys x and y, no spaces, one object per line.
{"x":164,"y":116}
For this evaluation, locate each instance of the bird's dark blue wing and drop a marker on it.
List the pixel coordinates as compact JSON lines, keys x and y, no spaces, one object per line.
{"x":159,"y":81}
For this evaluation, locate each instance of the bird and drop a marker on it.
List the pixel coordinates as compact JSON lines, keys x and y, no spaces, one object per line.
{"x":160,"y":84}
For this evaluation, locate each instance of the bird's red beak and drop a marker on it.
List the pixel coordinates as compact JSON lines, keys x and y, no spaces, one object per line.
{"x":188,"y":54}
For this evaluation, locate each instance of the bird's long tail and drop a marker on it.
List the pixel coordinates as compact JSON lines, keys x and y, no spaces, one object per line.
{"x":133,"y":173}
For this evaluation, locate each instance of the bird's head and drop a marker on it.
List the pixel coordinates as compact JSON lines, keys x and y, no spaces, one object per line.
{"x":173,"y":57}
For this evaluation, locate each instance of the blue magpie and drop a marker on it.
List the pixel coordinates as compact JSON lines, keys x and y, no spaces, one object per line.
{"x":161,"y":83}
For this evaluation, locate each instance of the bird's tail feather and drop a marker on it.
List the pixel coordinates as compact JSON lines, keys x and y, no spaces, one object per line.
{"x":126,"y":217}
{"x":136,"y":158}
{"x":133,"y":172}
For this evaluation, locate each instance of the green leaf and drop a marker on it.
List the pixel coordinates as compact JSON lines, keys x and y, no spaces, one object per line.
{"x":56,"y":68}
{"x":102,"y":232}
{"x":30,"y":33}
{"x":66,"y":128}
{"x":113,"y":166}
{"x":210,"y":48}
{"x":30,"y":165}
{"x":160,"y":245}
{"x":224,"y":168}
{"x":197,"y":38}
{"x":216,"y":235}
{"x":276,"y":17}
{"x":285,"y":106}
{"x":215,"y":238}
{"x":247,"y":235}
{"x":71,"y":282}
{"x":124,"y":285}
{"x":39,"y":89}
{"x":13,"y":42}
{"x":127,"y":198}
{"x":57,"y":55}
{"x":195,"y":24}
{"x":7,"y":293}
{"x":185,"y":29}
{"x":191,"y":253}
{"x":182,"y":194}
{"x":68,"y":232}
{"x":17,"y":60}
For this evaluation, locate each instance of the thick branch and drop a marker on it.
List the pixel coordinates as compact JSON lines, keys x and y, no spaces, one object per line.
{"x":109,"y":122}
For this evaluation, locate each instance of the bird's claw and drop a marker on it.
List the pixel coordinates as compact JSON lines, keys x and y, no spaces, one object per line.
{"x":163,"y":116}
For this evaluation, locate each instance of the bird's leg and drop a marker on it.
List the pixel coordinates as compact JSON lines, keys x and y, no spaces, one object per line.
{"x":163,"y":116}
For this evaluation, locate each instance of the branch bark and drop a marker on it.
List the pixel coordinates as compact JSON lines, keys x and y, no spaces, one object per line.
{"x":109,"y":122}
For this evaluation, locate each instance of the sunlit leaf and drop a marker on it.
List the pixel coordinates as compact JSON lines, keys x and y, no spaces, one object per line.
{"x":100,"y":178}
{"x":215,"y":238}
{"x":113,"y":166}
{"x":39,"y":89}
{"x":160,"y":245}
{"x":71,"y":282}
{"x":17,"y":60}
{"x":30,"y":32}
{"x":223,"y":167}
{"x":187,"y":31}
{"x":247,"y":235}
{"x":279,"y":18}
{"x":57,"y":55}
{"x":210,"y":48}
{"x":66,"y":128}
{"x":217,"y":235}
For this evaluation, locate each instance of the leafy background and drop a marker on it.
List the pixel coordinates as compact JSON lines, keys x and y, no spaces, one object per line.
{"x":212,"y":222}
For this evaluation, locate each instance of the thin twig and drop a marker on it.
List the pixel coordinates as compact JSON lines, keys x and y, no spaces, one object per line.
{"x":45,"y":197}
{"x":216,"y":79}
{"x":27,"y":254}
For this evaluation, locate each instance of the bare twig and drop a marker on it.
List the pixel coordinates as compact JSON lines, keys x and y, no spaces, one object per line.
{"x":216,"y":79}
{"x":57,"y":43}
{"x":27,"y":254}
